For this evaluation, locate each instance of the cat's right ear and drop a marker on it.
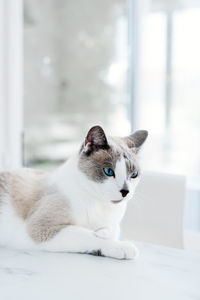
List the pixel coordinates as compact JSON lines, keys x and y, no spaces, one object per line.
{"x":95,"y":140}
{"x":137,"y":139}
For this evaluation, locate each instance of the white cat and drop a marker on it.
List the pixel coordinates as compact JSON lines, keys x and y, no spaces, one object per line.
{"x":77,"y":208}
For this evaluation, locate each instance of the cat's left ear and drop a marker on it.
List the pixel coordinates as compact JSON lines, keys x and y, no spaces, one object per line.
{"x":137,"y":139}
{"x":95,"y":140}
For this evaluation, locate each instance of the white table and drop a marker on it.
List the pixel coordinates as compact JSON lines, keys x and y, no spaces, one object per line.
{"x":159,"y":273}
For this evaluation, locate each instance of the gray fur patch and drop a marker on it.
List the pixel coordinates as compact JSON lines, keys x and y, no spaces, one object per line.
{"x":131,"y":165}
{"x":93,"y":164}
{"x":51,"y":214}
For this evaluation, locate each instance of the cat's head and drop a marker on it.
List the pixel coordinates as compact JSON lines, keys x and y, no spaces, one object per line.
{"x":111,"y":163}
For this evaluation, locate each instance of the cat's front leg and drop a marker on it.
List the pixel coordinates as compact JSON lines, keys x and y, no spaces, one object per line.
{"x":121,"y":250}
{"x":108,"y":232}
{"x":55,"y":234}
{"x":81,"y":240}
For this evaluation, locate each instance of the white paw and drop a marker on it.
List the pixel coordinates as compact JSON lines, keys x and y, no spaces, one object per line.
{"x":121,"y":250}
{"x":103,"y":233}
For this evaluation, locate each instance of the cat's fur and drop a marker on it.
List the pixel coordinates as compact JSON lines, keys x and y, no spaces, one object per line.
{"x":77,"y":208}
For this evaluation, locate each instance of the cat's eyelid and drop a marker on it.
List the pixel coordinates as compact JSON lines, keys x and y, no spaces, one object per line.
{"x":109,"y":166}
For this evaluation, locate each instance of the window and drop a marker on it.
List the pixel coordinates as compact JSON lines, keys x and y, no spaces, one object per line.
{"x":176,"y":134}
{"x":75,"y":75}
{"x":169,"y":96}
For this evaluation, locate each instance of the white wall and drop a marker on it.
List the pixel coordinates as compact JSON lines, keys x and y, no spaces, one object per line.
{"x":11,"y":83}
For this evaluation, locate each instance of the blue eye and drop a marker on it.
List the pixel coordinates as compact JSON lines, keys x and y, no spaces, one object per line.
{"x":109,"y":171}
{"x":134,"y":175}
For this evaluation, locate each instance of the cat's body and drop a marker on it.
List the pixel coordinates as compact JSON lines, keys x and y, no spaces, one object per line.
{"x":77,"y":208}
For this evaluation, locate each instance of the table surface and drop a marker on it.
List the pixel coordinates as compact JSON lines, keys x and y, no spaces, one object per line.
{"x":159,"y":273}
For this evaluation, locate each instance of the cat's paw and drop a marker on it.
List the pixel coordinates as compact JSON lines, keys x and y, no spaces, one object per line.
{"x":103,"y":233}
{"x":121,"y":250}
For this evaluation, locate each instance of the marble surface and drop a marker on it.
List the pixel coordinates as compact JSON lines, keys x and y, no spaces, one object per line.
{"x":159,"y":273}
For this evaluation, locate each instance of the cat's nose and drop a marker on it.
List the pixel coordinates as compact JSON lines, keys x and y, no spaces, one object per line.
{"x":124,"y":192}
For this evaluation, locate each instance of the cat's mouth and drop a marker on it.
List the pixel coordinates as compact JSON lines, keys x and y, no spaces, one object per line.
{"x":117,"y":201}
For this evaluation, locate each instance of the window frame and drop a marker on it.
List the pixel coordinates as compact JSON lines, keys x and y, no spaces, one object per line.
{"x":11,"y":79}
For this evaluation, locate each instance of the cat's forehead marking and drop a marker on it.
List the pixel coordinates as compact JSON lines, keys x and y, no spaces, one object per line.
{"x":125,"y":156}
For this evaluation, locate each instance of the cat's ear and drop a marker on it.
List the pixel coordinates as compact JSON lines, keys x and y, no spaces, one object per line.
{"x":95,"y":140}
{"x":137,"y":139}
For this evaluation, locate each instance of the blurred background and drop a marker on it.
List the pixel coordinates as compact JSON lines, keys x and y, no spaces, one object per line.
{"x":123,"y":64}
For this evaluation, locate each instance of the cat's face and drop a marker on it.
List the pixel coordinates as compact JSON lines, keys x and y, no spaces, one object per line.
{"x":111,"y":165}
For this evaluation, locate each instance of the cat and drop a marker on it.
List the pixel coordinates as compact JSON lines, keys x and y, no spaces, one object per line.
{"x":79,"y":206}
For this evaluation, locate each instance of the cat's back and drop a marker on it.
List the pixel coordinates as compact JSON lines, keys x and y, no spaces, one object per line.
{"x":22,"y":189}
